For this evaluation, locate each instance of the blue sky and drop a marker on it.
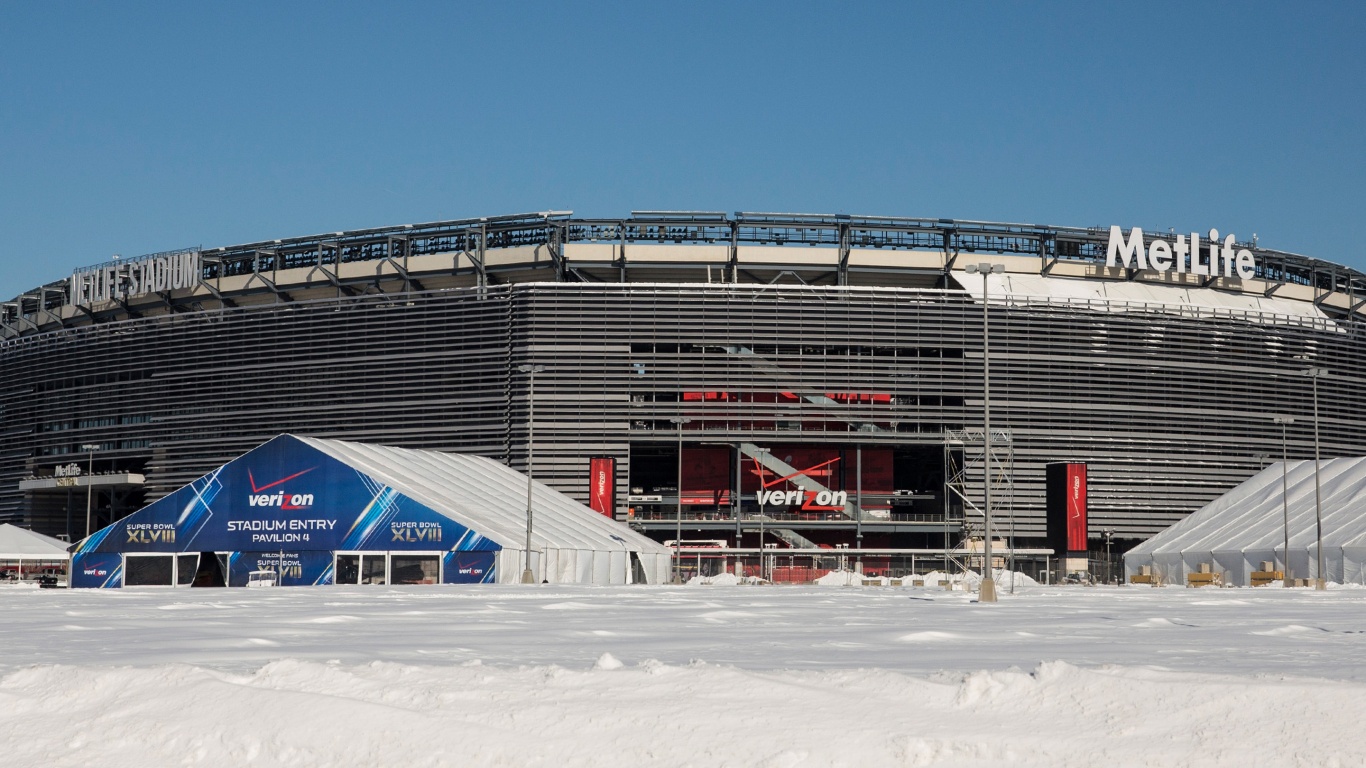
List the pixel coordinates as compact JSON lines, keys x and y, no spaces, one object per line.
{"x":133,"y":128}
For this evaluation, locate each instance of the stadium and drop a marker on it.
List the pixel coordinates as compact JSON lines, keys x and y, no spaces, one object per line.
{"x":801,"y":382}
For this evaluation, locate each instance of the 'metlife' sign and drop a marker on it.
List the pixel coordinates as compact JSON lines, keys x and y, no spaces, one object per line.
{"x":1180,"y":256}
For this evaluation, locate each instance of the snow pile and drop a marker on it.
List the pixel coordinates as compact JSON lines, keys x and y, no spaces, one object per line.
{"x":503,"y":675}
{"x":722,"y":580}
{"x":931,"y":580}
{"x":840,"y":579}
{"x":971,"y":579}
{"x":1003,"y":578}
{"x":301,"y":713}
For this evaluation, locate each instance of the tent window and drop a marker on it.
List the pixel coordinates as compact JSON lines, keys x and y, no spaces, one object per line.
{"x":186,"y":566}
{"x":372,"y":569}
{"x":348,"y":569}
{"x":148,"y":570}
{"x":415,"y":569}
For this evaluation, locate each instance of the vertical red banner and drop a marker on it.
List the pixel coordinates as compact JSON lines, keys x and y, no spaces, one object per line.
{"x":602,"y":485}
{"x":1076,"y":508}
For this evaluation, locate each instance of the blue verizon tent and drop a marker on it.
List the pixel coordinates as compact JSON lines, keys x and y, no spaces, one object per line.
{"x":332,"y":512}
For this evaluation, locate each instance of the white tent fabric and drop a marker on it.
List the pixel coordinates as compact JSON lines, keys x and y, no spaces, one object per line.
{"x":1122,"y":296}
{"x":570,"y":543}
{"x":22,"y":544}
{"x":1245,"y":527}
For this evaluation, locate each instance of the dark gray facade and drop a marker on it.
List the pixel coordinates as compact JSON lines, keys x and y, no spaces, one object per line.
{"x":1168,"y":408}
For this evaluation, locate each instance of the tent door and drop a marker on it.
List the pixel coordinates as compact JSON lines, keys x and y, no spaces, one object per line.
{"x":210,"y":572}
{"x":637,"y":569}
{"x":186,"y":567}
{"x":361,"y":568}
{"x":373,"y":569}
{"x":346,"y":569}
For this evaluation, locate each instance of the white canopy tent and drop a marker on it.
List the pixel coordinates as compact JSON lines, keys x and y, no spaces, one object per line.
{"x":22,"y":545}
{"x":570,"y":543}
{"x":1128,"y":296}
{"x":1245,"y":527}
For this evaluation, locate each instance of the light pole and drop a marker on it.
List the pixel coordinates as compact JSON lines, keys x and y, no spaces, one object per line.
{"x":89,"y":482}
{"x":1108,"y":533}
{"x":987,"y":592}
{"x":531,"y":370}
{"x":678,"y":517}
{"x":1285,"y":421}
{"x":1320,"y":583}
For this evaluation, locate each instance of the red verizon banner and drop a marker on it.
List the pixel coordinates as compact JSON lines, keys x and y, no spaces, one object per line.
{"x":1076,"y":507}
{"x":602,"y":486}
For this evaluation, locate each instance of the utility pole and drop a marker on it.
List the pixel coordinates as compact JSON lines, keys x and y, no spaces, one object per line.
{"x":678,"y":516}
{"x":89,"y":482}
{"x":1314,"y":373}
{"x":531,"y":370}
{"x":987,"y":592}
{"x":1285,"y":421}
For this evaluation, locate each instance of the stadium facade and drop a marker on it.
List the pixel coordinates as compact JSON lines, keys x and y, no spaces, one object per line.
{"x":833,"y":363}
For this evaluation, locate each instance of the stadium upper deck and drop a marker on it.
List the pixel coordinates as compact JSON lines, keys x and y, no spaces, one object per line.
{"x":658,"y":247}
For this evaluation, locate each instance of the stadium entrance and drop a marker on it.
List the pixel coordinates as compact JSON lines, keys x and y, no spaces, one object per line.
{"x":804,"y":496}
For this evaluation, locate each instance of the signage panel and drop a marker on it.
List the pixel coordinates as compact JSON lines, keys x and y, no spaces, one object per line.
{"x":96,"y":570}
{"x":468,"y":568}
{"x":292,"y":567}
{"x":1076,"y":508}
{"x":1065,"y":498}
{"x":602,"y":485}
{"x":157,"y":273}
{"x":1180,"y":256}
{"x":285,"y":495}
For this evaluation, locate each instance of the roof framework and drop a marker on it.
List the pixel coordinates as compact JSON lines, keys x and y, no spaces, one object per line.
{"x":550,"y":231}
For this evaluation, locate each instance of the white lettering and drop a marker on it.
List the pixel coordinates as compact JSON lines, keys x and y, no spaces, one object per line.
{"x":1160,"y":256}
{"x":1223,"y":260}
{"x":1122,"y":253}
{"x":1180,"y":250}
{"x":135,"y":277}
{"x":1197,"y":267}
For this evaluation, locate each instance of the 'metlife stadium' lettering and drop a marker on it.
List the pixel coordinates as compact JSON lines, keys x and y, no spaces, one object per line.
{"x":135,"y":277}
{"x":1224,"y":261}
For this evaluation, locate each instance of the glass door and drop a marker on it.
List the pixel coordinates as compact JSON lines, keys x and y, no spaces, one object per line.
{"x":373,"y":569}
{"x":347,"y":569}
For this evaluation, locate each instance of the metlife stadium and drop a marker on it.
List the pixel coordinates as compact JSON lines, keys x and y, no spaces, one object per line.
{"x":830,"y":367}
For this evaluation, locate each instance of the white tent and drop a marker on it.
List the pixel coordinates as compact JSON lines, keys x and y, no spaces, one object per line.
{"x":23,"y":545}
{"x":1245,"y":527}
{"x":1129,"y":296}
{"x":570,"y":543}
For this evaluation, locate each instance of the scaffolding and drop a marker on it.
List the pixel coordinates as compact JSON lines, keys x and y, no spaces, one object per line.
{"x":966,"y":457}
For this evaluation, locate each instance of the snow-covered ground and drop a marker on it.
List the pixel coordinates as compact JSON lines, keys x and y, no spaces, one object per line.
{"x":690,"y":675}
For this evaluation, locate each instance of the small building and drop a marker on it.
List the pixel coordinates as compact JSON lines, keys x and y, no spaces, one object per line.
{"x":331,"y":512}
